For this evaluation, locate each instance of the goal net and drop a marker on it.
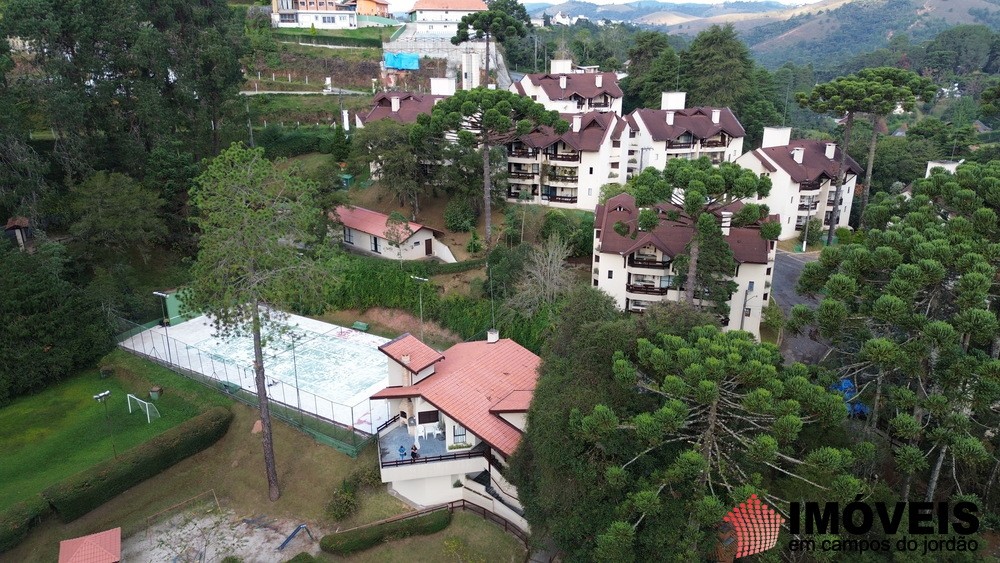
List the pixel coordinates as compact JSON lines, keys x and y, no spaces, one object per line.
{"x":145,"y":407}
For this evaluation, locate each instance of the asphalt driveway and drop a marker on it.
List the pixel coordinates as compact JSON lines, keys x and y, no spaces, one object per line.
{"x":787,"y":269}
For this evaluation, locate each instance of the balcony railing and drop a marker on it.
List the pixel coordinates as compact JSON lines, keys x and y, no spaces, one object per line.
{"x":559,"y":198}
{"x":679,"y":145}
{"x":564,"y":177}
{"x":564,"y":157}
{"x":713,"y":144}
{"x":803,"y":186}
{"x":600,"y":104}
{"x":521,"y":153}
{"x":646,"y":289}
{"x":807,"y":207}
{"x":470,"y":454}
{"x":647,"y":262}
{"x":521,"y":174}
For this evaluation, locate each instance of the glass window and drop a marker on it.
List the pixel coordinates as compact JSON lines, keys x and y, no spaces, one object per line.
{"x":375,"y":245}
{"x":348,"y":235}
{"x":427,"y":417}
{"x":611,"y":274}
{"x":460,"y":435}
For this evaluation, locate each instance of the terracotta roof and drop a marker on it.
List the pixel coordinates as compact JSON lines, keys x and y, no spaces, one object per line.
{"x":102,"y":547}
{"x":453,"y":5}
{"x":583,"y":85}
{"x":472,"y":380}
{"x":515,"y":401}
{"x":410,"y":106}
{"x":814,"y":165}
{"x":371,"y":222}
{"x":17,"y":223}
{"x":697,"y":121}
{"x":671,"y":237}
{"x":421,"y":355}
{"x":594,"y":128}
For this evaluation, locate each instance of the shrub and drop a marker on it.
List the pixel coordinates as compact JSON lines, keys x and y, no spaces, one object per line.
{"x":815,"y":233}
{"x":17,"y":521}
{"x":231,"y":559}
{"x":303,"y":557}
{"x":774,"y":317}
{"x":85,"y":491}
{"x":475,"y":244}
{"x":344,"y":502}
{"x":359,"y":539}
{"x":367,"y":477}
{"x":459,"y":216}
{"x":844,"y":235}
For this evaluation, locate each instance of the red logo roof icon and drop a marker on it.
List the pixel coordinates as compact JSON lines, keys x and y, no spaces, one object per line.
{"x":756,"y":525}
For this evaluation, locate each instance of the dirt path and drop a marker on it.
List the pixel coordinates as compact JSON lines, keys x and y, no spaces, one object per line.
{"x":205,"y":534}
{"x":393,"y":322}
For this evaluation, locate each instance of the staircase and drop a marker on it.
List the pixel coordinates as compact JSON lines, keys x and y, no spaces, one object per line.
{"x":483,"y":478}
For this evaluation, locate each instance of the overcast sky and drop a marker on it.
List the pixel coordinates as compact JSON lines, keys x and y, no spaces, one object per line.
{"x":397,"y":6}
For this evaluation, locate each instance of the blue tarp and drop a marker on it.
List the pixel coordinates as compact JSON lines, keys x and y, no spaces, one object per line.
{"x":855,"y":408}
{"x":402,"y":61}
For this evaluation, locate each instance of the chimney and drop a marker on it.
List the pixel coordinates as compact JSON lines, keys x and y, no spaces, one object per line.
{"x":492,"y":336}
{"x":405,"y":359}
{"x":727,"y":222}
{"x":577,"y":122}
{"x":670,"y":117}
{"x":395,"y":104}
{"x":830,"y":149}
{"x":776,"y":137}
{"x":716,"y":114}
{"x":673,"y":100}
{"x":562,"y":82}
{"x":797,"y":153}
{"x":560,"y":66}
{"x":599,"y":80}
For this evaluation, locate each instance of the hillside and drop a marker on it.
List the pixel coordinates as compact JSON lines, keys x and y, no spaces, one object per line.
{"x":637,"y":11}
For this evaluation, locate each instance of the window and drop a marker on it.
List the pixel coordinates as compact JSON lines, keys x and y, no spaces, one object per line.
{"x":598,"y":234}
{"x":749,"y":284}
{"x":590,"y":191}
{"x":591,"y":170}
{"x":616,"y":144}
{"x":416,"y":243}
{"x":611,"y":274}
{"x":597,"y":258}
{"x":614,"y":165}
{"x":289,"y":18}
{"x":768,"y":272}
{"x":328,"y":19}
{"x":459,"y":434}
{"x":375,"y":247}
{"x":746,"y":312}
{"x":348,"y":235}
{"x":427,"y":417}
{"x":534,"y":98}
{"x":595,"y":283}
{"x":764,"y":298}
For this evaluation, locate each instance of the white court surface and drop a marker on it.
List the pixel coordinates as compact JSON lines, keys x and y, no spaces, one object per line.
{"x":337,"y":368}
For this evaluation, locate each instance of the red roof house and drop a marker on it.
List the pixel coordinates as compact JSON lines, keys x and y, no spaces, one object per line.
{"x":102,"y":547}
{"x":370,"y":232}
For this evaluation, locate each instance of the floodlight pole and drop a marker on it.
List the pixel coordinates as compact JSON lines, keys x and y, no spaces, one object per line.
{"x":298,"y":395}
{"x":103,"y":398}
{"x":166,"y":321}
{"x":421,"y":303}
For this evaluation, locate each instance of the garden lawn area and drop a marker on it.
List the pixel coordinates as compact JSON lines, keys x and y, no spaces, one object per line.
{"x":366,"y":32}
{"x":63,"y":430}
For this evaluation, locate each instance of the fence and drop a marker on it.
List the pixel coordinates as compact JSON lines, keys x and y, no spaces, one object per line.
{"x":344,"y":427}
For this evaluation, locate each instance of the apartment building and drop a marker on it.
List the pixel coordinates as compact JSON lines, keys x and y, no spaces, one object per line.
{"x":674,"y":131}
{"x":803,"y":179}
{"x":567,"y":170}
{"x":402,"y":107}
{"x":636,"y":266}
{"x":568,"y":90}
{"x":321,"y":14}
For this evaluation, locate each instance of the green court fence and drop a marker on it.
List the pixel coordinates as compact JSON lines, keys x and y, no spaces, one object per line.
{"x":328,"y":422}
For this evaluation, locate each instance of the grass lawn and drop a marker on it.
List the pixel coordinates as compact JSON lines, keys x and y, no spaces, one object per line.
{"x":468,"y":538}
{"x":368,"y":32}
{"x":63,"y":430}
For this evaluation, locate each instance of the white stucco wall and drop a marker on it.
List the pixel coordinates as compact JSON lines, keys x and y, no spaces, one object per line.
{"x":518,"y":419}
{"x":315,"y":18}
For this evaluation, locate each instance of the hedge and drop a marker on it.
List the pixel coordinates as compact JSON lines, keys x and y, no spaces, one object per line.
{"x":85,"y":491}
{"x":359,"y":539}
{"x":287,"y":142}
{"x":17,"y":521}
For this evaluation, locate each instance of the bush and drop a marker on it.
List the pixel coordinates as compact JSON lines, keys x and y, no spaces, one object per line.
{"x":774,"y":317}
{"x":303,"y":557}
{"x":283,"y":142}
{"x":344,"y":502}
{"x":367,"y":477}
{"x":844,"y":235}
{"x":815,"y":233}
{"x":475,"y":244}
{"x":85,"y":491}
{"x":459,"y":216}
{"x":352,"y":541}
{"x":17,"y":521}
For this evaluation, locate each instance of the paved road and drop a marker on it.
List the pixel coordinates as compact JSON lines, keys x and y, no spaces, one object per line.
{"x":787,"y":269}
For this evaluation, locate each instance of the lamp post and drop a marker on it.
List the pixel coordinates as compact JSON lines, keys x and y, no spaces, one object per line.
{"x":295,"y":370}
{"x":166,"y":322}
{"x":805,"y":235}
{"x":103,"y":398}
{"x":746,"y":299}
{"x":421,"y":280}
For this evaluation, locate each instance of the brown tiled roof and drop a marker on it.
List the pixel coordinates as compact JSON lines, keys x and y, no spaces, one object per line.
{"x":764,"y":161}
{"x":594,"y":127}
{"x":102,"y":547}
{"x":671,"y":237}
{"x":410,"y":106}
{"x":814,"y":165}
{"x":453,"y":5}
{"x":421,"y":355}
{"x":697,"y":121}
{"x":472,"y":380}
{"x":581,"y":84}
{"x":17,"y":223}
{"x":371,"y":222}
{"x":515,"y":401}
{"x":616,"y":134}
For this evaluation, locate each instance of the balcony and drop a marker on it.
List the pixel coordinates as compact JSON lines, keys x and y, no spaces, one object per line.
{"x":646,"y":289}
{"x":522,"y":153}
{"x":432,"y":448}
{"x":643,"y":261}
{"x":564,"y":157}
{"x":679,"y":145}
{"x":809,"y":186}
{"x":521,"y":174}
{"x":564,"y":178}
{"x":713,"y":144}
{"x":559,"y":198}
{"x":807,"y":207}
{"x":600,"y":104}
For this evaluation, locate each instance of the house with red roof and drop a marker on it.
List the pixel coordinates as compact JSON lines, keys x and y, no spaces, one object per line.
{"x":370,"y":232}
{"x":636,"y":266}
{"x":803,"y":179}
{"x":441,"y":17}
{"x":401,"y":107}
{"x":102,"y":547}
{"x":568,"y":170}
{"x":566,"y":90}
{"x":463,"y":412}
{"x":675,"y":131}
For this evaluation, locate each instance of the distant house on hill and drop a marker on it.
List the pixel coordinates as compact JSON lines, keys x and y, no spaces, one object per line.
{"x":369,"y":232}
{"x":19,"y":231}
{"x":401,"y":107}
{"x":441,"y":17}
{"x":568,"y":91}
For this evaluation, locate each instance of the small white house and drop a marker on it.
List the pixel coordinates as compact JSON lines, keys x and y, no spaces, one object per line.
{"x":369,"y":232}
{"x":441,"y":17}
{"x":319,"y":14}
{"x":458,"y":417}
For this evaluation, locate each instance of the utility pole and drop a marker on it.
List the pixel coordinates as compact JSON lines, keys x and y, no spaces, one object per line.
{"x":421,"y":280}
{"x":166,"y":322}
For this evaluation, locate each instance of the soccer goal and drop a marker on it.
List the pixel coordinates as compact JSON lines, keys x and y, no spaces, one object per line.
{"x":147,"y":408}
